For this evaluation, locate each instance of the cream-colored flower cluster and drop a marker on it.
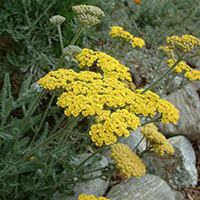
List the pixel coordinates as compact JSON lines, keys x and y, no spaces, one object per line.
{"x":192,"y":75}
{"x":109,"y":65}
{"x":72,"y":50}
{"x":185,"y":44}
{"x":111,"y":126}
{"x":118,"y":31}
{"x":127,"y":162}
{"x":88,"y":15}
{"x":90,"y":197}
{"x":157,"y":140}
{"x":57,"y":20}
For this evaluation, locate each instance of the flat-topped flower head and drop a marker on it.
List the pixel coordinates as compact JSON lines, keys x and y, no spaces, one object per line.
{"x":88,"y":15}
{"x":110,"y":126}
{"x":90,"y":197}
{"x":126,"y":161}
{"x":185,"y":44}
{"x":166,"y":51}
{"x":88,"y":9}
{"x":57,"y":20}
{"x":157,"y":140}
{"x":118,"y":31}
{"x":192,"y":75}
{"x":88,"y":20}
{"x":110,"y":67}
{"x":137,"y":42}
{"x":72,"y":50}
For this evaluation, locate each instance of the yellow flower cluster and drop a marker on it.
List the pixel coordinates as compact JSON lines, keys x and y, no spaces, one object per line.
{"x":168,"y":111}
{"x":117,"y":31}
{"x":88,"y":15}
{"x":137,"y":42}
{"x":166,"y":51}
{"x":113,"y":125}
{"x":149,"y":103}
{"x":88,"y":93}
{"x":109,"y":65}
{"x":145,"y":104}
{"x":90,"y":197}
{"x":192,"y":75}
{"x":186,"y":43}
{"x":157,"y":140}
{"x":128,"y":162}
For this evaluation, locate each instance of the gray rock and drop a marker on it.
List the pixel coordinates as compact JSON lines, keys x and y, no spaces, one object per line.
{"x":177,"y":170}
{"x":97,"y":187}
{"x":134,"y":139}
{"x":147,"y":187}
{"x":194,"y":62}
{"x":179,"y":195}
{"x":187,"y":101}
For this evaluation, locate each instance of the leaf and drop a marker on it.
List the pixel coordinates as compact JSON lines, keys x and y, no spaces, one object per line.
{"x":25,"y":85}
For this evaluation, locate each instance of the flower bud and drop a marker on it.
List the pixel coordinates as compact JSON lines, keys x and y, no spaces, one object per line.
{"x":57,"y":20}
{"x":72,"y":50}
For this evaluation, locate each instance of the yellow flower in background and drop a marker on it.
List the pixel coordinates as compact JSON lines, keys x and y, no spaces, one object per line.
{"x":32,"y":158}
{"x":109,"y":65}
{"x":90,"y":197}
{"x":166,"y":51}
{"x":126,"y":161}
{"x":137,"y":42}
{"x":117,"y":31}
{"x":157,"y":140}
{"x":185,"y":44}
{"x":192,"y":75}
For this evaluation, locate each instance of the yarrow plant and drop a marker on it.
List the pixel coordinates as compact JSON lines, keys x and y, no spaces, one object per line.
{"x":92,"y":90}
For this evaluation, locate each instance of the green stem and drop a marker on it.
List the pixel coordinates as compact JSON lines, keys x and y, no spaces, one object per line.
{"x":30,"y":112}
{"x":38,"y":19}
{"x":47,"y":141}
{"x":111,"y":47}
{"x":77,"y":35}
{"x":57,"y":125}
{"x":138,"y":143}
{"x":60,"y":62}
{"x":191,"y":56}
{"x":157,"y":70}
{"x":163,"y":76}
{"x":154,"y":120}
{"x":168,"y":84}
{"x":43,"y":118}
{"x":90,"y":157}
{"x":69,"y":62}
{"x":60,"y":37}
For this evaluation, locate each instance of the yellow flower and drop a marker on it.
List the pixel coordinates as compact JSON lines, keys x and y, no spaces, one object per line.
{"x":156,"y":139}
{"x":32,"y":158}
{"x":166,"y":51}
{"x":137,"y":42}
{"x":186,"y":43}
{"x":112,"y":125}
{"x":192,"y":75}
{"x":117,"y":31}
{"x":90,"y":197}
{"x":127,"y":162}
{"x":109,"y":65}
